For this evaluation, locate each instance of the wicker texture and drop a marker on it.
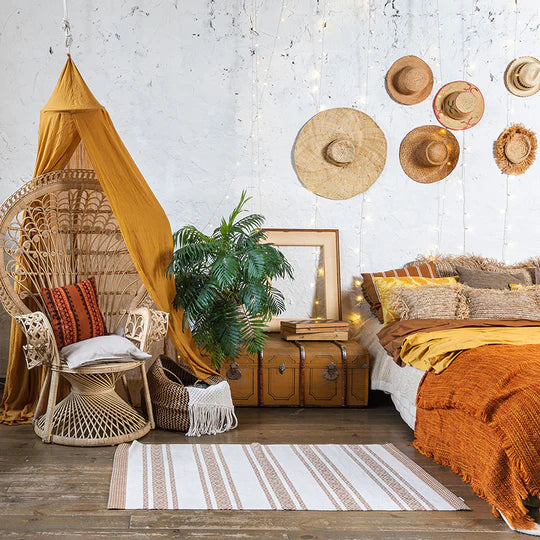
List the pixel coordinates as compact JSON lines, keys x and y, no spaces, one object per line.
{"x":501,"y":304}
{"x":428,"y":154}
{"x":522,"y":76}
{"x":339,"y":153}
{"x":56,"y":230}
{"x":167,"y":382}
{"x":409,"y":80}
{"x":430,"y":303}
{"x":515,"y":149}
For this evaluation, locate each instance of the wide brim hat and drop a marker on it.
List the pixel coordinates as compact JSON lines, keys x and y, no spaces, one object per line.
{"x":429,"y":154}
{"x":459,"y":105}
{"x":522,"y":76}
{"x":409,"y":80}
{"x":515,"y":149}
{"x":339,"y":153}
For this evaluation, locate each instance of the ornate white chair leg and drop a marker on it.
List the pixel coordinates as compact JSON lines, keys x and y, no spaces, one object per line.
{"x":53,"y":390}
{"x":44,"y":389}
{"x":147,"y":399}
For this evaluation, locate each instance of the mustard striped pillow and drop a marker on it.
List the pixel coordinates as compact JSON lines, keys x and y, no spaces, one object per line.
{"x":385,"y":285}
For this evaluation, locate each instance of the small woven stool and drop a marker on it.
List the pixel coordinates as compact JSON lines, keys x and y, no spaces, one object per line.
{"x":93,"y":414}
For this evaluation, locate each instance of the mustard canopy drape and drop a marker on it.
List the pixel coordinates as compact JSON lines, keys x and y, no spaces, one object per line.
{"x":71,"y":116}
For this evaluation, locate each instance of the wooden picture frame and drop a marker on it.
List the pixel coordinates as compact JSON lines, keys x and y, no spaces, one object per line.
{"x":328,"y":242}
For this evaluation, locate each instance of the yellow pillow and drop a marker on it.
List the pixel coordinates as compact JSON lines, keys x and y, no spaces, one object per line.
{"x":516,"y":286}
{"x":384,"y":286}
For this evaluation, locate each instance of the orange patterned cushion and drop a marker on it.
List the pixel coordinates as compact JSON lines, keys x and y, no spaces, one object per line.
{"x":74,"y":312}
{"x":370,"y":292}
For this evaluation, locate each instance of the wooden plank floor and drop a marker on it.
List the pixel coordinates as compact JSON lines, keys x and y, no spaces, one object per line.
{"x":49,"y":490}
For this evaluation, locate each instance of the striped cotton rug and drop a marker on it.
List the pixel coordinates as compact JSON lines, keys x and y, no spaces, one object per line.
{"x":273,"y":477}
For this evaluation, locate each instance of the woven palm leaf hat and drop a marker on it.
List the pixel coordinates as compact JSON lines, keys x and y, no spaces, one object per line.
{"x":515,"y":149}
{"x":429,"y":154}
{"x":522,"y":76}
{"x":459,"y":105}
{"x":409,"y":80}
{"x":339,"y":153}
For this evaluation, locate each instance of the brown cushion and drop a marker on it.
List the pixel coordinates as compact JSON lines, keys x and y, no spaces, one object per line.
{"x":445,"y":265}
{"x":479,"y":279}
{"x":430,"y":302}
{"x":74,"y":312}
{"x":502,"y":304}
{"x":370,"y":291}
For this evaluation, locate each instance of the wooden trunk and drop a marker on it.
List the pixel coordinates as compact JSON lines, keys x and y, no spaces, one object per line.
{"x":243,"y":379}
{"x":279,"y":374}
{"x":298,"y":374}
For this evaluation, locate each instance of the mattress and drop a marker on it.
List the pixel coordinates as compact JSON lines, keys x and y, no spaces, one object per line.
{"x":400,"y":382}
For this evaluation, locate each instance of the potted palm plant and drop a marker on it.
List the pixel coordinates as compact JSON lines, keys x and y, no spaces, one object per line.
{"x":224,"y":284}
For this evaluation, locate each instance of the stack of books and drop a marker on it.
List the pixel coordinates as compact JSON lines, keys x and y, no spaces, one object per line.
{"x":315,"y":330}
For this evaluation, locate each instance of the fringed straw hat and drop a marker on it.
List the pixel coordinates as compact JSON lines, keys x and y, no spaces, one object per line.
{"x":339,"y":153}
{"x":429,"y":154}
{"x":515,"y":149}
{"x":522,"y":76}
{"x":409,"y":80}
{"x":459,"y":105}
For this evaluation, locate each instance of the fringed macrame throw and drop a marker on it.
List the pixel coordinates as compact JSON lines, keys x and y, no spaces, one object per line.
{"x":515,"y":149}
{"x":211,"y":410}
{"x":181,"y":403}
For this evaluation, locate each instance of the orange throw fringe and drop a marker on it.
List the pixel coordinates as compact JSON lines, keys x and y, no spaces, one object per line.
{"x":481,"y":417}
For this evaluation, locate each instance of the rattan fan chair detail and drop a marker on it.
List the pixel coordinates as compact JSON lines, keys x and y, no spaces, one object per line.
{"x":54,"y":231}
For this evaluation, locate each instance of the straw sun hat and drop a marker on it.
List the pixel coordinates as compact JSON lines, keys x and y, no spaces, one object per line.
{"x":459,"y":105}
{"x":429,"y":154}
{"x":522,"y":76}
{"x":515,"y":149}
{"x":339,"y":153}
{"x":409,"y":80}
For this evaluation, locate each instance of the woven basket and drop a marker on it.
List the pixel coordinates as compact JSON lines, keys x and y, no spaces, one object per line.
{"x":167,"y":381}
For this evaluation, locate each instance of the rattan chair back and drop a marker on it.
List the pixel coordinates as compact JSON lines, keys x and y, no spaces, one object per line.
{"x":59,"y":229}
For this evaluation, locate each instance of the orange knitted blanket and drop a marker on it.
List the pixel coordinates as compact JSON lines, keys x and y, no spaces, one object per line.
{"x":481,"y":417}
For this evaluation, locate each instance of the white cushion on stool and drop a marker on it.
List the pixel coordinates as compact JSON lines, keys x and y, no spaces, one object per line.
{"x":109,"y":348}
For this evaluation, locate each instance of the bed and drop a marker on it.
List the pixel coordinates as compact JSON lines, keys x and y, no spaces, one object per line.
{"x":477,"y":408}
{"x":464,"y":422}
{"x":400,"y":382}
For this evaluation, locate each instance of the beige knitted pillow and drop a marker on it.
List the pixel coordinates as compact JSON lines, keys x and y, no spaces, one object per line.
{"x":501,"y":304}
{"x":430,"y":303}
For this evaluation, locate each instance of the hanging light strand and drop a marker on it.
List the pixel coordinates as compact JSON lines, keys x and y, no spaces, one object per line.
{"x":363,"y":218}
{"x":316,"y":89}
{"x":465,"y":74}
{"x":509,"y":110}
{"x":441,"y":187}
{"x":66,"y":27}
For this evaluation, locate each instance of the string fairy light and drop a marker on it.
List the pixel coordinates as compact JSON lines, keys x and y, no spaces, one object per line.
{"x":257,"y":93}
{"x":371,"y":13}
{"x":509,"y":110}
{"x":463,"y":197}
{"x":441,"y":186}
{"x":317,"y":78}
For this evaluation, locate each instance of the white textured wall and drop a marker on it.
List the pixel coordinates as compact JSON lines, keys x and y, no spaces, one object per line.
{"x":207,"y":108}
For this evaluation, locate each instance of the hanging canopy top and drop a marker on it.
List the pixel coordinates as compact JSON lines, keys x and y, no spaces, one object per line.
{"x":71,"y":93}
{"x":73,"y":116}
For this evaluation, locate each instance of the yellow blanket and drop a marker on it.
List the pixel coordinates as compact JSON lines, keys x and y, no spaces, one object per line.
{"x":436,"y":350}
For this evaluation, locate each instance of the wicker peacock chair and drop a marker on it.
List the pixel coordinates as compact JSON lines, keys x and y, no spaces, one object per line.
{"x":56,"y":230}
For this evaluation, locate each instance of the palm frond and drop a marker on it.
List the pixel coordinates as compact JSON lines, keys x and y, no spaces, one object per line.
{"x":223,"y":283}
